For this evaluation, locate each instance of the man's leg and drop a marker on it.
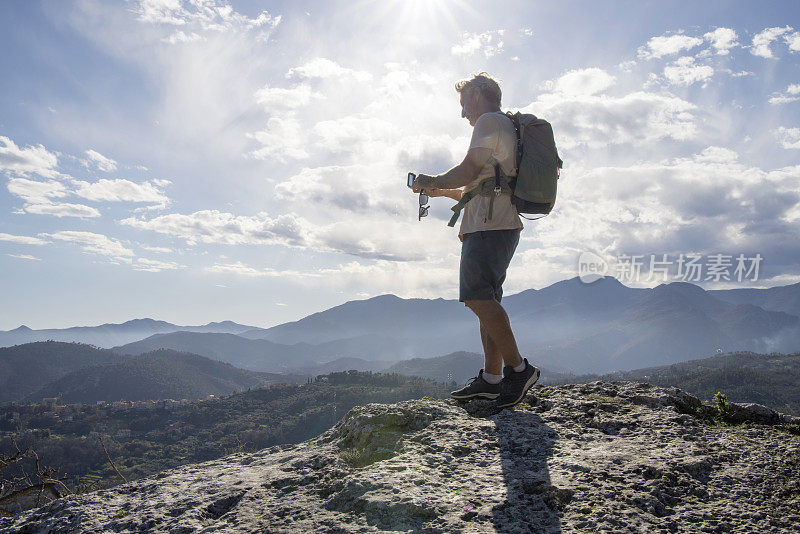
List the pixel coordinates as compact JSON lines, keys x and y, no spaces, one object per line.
{"x":519,"y":375}
{"x":496,"y":326}
{"x":493,"y":360}
{"x":484,"y":386}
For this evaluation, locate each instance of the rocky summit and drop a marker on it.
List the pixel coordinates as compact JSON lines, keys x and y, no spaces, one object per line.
{"x":598,"y":457}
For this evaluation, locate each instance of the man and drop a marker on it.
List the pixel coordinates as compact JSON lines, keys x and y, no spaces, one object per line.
{"x":489,"y":235}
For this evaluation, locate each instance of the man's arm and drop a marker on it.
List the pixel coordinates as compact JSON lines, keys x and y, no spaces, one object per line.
{"x":455,"y":194}
{"x":462,"y":174}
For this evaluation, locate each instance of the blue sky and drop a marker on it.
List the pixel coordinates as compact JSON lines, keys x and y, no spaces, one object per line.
{"x":205,"y":160}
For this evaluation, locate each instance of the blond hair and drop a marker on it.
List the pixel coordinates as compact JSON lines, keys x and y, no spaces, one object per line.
{"x":488,"y":87}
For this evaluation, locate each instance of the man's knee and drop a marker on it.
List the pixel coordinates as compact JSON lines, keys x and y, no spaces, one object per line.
{"x":472,"y":304}
{"x":480,"y":305}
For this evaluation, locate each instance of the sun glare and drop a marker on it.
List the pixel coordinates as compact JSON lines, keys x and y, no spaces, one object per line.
{"x":413,"y":16}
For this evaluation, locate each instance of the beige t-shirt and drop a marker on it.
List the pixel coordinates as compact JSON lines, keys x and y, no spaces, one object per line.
{"x":495,"y":131}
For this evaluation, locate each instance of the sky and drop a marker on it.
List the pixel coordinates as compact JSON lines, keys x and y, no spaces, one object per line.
{"x":207,"y":160}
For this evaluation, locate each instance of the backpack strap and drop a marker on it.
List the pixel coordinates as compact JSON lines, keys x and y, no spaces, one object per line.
{"x":497,"y":190}
{"x":466,"y":196}
{"x":488,"y":187}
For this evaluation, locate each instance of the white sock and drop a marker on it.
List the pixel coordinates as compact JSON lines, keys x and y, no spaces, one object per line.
{"x":520,"y":367}
{"x":492,"y":379}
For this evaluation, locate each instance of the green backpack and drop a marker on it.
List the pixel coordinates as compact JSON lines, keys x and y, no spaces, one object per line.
{"x":533,"y":190}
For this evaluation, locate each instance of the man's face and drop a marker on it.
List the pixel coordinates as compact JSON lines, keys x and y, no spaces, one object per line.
{"x":468,"y":106}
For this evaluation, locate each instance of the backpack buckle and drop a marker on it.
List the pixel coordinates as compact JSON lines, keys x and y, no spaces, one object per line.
{"x":497,"y":190}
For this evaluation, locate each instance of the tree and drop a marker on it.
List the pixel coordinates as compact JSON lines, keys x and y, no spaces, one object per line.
{"x":16,"y":483}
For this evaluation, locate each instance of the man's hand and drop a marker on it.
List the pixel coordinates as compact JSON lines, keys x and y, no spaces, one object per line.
{"x":422,"y":181}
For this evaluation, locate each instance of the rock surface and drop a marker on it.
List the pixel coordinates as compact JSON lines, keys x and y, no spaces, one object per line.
{"x":613,"y":457}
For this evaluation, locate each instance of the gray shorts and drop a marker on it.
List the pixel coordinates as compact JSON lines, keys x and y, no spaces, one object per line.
{"x":484,"y":259}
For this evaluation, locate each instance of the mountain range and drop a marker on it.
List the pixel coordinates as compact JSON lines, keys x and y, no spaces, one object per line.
{"x":567,"y":327}
{"x":108,"y":335}
{"x":79,"y":373}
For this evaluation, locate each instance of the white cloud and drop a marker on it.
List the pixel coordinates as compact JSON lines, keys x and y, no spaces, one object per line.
{"x":667,"y":45}
{"x":276,"y":98}
{"x":212,"y":226}
{"x":433,"y":279}
{"x":792,"y":94}
{"x":23,"y":239}
{"x":332,"y":185}
{"x":164,"y":250}
{"x":24,"y":257}
{"x":381,"y":237}
{"x":180,"y":37}
{"x":709,"y":202}
{"x":96,"y":244}
{"x":284,"y":138}
{"x":352,"y":133}
{"x":201,"y":15}
{"x":154,"y":266}
{"x":783,"y":99}
{"x":763,"y":40}
{"x":717,"y":154}
{"x":122,"y":191}
{"x":35,"y":192}
{"x":37,"y":196}
{"x":793,"y":40}
{"x":240,"y":269}
{"x":684,"y":71}
{"x":490,"y":43}
{"x":26,"y":161}
{"x":325,"y":68}
{"x":600,"y":120}
{"x":62,"y":210}
{"x":101,"y":162}
{"x":722,"y":40}
{"x":584,"y":82}
{"x":788,"y":137}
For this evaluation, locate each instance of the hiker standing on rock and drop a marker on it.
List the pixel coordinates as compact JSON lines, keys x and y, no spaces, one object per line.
{"x":489,"y":236}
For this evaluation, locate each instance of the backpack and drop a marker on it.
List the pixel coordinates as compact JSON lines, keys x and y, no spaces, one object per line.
{"x":533,"y":190}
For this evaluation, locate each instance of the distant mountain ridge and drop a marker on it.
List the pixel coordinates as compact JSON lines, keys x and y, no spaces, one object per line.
{"x":161,"y":374}
{"x":568,"y":327}
{"x":110,"y":335}
{"x":781,"y":298}
{"x":81,"y":373}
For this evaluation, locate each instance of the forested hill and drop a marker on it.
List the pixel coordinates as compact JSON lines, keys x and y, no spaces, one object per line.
{"x":161,"y":374}
{"x":150,"y":437}
{"x":26,"y":368}
{"x":769,"y":379}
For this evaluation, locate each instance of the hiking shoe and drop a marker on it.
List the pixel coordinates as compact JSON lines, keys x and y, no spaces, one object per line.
{"x":515,"y":385}
{"x":477,"y":387}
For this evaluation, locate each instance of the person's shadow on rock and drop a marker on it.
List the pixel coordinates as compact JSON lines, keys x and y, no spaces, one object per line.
{"x":532,"y":503}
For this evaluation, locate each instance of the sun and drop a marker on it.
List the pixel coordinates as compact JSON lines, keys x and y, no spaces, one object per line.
{"x":413,"y":16}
